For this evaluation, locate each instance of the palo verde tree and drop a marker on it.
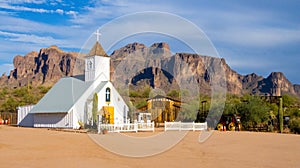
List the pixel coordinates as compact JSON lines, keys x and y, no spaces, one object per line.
{"x":253,"y":111}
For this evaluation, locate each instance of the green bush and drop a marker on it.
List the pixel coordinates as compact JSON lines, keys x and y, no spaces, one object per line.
{"x":141,"y":104}
{"x":146,"y":92}
{"x":44,"y":89}
{"x":253,"y":111}
{"x":134,"y":94}
{"x":19,"y":92}
{"x":294,"y":125}
{"x":174,"y":94}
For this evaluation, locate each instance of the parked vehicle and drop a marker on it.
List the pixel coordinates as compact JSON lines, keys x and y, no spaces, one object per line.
{"x":230,"y":122}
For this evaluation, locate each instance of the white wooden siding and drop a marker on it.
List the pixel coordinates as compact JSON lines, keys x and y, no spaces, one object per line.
{"x":54,"y":120}
{"x":25,"y":119}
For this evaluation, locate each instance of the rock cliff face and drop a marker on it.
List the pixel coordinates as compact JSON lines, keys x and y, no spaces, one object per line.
{"x":45,"y":67}
{"x":138,"y":65}
{"x":276,"y":84}
{"x":164,"y":72}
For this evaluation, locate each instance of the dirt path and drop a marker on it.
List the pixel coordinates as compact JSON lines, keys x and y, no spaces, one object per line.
{"x":28,"y":147}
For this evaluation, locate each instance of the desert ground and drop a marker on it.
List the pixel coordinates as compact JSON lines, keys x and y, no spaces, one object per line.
{"x":31,"y":147}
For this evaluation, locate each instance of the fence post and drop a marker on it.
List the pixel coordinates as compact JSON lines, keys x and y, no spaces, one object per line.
{"x":99,"y":128}
{"x":135,"y":127}
{"x":152,"y":126}
{"x":179,"y":125}
{"x":193,"y":126}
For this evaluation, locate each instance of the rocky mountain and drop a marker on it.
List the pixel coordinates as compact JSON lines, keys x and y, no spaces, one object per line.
{"x":138,"y":65}
{"x":43,"y":68}
{"x":163,"y":69}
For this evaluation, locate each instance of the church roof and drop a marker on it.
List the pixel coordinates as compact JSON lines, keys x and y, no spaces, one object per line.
{"x":62,"y":96}
{"x":98,"y":88}
{"x":97,"y":50}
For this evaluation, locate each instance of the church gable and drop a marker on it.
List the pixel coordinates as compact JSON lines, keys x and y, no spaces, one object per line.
{"x":110,"y":104}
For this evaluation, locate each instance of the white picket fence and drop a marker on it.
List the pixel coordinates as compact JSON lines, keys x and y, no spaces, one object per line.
{"x":130,"y":127}
{"x":185,"y":126}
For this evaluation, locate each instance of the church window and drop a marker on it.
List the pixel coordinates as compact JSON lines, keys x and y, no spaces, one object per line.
{"x":107,"y":95}
{"x":90,"y":65}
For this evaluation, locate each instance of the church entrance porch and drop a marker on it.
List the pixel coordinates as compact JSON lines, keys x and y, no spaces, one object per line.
{"x":108,"y":115}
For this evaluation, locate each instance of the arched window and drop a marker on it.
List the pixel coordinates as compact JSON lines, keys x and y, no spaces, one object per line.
{"x":107,"y":95}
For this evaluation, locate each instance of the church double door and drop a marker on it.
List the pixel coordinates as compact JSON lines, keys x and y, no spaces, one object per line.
{"x":109,"y":114}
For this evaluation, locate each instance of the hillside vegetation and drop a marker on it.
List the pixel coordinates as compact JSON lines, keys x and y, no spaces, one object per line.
{"x":11,"y":98}
{"x":254,"y":110}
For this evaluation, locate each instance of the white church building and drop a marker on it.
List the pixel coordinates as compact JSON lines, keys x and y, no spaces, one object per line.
{"x":69,"y":103}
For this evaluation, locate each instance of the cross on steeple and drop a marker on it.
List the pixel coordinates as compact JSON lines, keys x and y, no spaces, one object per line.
{"x":98,"y":34}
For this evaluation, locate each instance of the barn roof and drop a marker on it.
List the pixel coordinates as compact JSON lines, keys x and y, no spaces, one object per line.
{"x":62,"y":96}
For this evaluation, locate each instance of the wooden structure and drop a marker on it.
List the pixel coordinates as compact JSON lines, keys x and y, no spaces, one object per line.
{"x":162,"y":108}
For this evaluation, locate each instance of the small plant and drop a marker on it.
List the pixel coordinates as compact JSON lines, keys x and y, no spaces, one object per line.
{"x":81,"y":125}
{"x":104,"y":130}
{"x":271,"y":128}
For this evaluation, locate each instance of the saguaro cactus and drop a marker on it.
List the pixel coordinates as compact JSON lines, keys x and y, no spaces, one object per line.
{"x":95,"y":107}
{"x":280,"y":115}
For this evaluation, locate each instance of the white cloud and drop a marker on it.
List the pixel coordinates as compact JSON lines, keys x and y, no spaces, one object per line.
{"x":22,"y":8}
{"x":107,"y":9}
{"x":29,"y":38}
{"x":246,"y":27}
{"x":241,"y":26}
{"x":34,"y":39}
{"x":73,"y":13}
{"x":35,"y":10}
{"x":258,"y":37}
{"x":25,"y":1}
{"x":60,"y":11}
{"x":73,"y":35}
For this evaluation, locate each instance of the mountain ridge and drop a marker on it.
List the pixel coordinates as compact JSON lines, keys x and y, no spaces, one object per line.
{"x":50,"y":64}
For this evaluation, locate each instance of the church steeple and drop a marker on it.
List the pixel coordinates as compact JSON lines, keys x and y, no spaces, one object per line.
{"x":97,"y":63}
{"x":97,"y":50}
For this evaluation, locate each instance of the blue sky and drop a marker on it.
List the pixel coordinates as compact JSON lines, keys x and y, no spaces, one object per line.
{"x":253,"y":36}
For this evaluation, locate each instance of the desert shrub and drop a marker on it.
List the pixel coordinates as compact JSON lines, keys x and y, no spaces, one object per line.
{"x":174,"y":94}
{"x":254,"y":111}
{"x":141,"y":104}
{"x":44,"y":89}
{"x":134,"y":94}
{"x":294,"y":125}
{"x":19,"y":92}
{"x":10,"y":105}
{"x":146,"y":92}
